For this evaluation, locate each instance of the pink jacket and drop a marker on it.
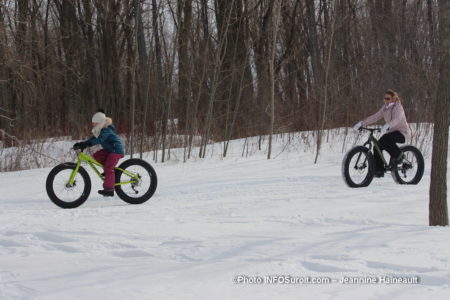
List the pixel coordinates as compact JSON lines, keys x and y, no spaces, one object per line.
{"x":394,"y":115}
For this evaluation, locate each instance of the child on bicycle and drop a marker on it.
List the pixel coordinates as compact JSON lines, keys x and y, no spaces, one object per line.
{"x":113,"y":150}
{"x":396,"y":130}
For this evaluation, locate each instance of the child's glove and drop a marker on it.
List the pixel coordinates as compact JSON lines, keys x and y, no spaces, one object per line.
{"x":80,"y":146}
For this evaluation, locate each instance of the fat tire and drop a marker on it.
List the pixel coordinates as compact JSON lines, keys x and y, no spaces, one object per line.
{"x":153,"y":184}
{"x":345,"y":167}
{"x":51,"y":193}
{"x":420,"y":166}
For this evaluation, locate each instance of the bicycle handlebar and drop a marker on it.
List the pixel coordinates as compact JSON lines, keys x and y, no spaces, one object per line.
{"x":81,"y":149}
{"x":377,"y":129}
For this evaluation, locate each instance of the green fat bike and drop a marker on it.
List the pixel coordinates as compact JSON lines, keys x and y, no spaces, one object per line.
{"x":68,"y":185}
{"x":358,"y":165}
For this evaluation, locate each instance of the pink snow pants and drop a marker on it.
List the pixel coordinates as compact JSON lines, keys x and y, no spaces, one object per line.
{"x":109,"y":161}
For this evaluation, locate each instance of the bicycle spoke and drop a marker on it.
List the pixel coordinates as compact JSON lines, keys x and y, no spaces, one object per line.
{"x":360,"y":169}
{"x":65,"y":193}
{"x":409,"y":166}
{"x":136,"y":188}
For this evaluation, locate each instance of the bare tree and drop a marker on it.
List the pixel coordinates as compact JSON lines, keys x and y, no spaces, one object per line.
{"x":438,"y":186}
{"x":271,"y":67}
{"x":325,"y":100}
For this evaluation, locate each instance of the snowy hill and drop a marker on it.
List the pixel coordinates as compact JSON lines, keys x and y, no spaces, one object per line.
{"x":219,"y":228}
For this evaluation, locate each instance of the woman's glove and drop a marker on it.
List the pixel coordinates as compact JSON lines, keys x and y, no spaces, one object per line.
{"x":385,"y":128}
{"x":357,"y":126}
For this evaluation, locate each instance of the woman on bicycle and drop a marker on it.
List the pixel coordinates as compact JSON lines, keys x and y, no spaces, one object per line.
{"x":113,"y":150}
{"x":396,"y":130}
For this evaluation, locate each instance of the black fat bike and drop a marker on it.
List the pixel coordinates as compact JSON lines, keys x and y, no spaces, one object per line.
{"x":358,"y":165}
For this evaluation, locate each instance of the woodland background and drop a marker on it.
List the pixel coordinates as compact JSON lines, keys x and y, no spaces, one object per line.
{"x":210,"y":70}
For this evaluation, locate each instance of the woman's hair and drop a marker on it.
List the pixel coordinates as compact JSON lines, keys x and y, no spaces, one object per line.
{"x":394,"y":95}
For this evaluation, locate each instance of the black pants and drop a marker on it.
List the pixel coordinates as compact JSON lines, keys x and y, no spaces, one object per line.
{"x":388,"y":143}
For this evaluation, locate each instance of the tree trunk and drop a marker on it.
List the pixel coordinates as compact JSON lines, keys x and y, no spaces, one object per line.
{"x":134,"y":93}
{"x":143,"y":71}
{"x":184,"y":19}
{"x":274,"y":33}
{"x":438,"y":215}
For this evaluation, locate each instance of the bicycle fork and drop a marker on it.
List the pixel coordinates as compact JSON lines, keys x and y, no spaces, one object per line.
{"x":71,"y":182}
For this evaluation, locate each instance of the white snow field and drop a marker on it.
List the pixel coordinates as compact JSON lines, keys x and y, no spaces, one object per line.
{"x":220,"y":228}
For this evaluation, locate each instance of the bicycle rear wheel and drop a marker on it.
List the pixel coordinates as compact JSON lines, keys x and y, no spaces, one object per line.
{"x":140,"y":186}
{"x":411,"y":169}
{"x":61,"y":193}
{"x":358,"y":167}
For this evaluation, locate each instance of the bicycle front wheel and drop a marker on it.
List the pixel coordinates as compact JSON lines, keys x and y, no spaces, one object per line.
{"x":136,"y":181}
{"x":61,"y":192}
{"x":357,"y":167}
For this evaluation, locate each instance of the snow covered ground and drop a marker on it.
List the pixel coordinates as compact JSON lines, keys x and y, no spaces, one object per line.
{"x":218,"y":228}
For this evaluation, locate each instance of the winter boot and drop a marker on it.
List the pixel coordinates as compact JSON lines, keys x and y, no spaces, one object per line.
{"x":379,"y":174}
{"x":106,"y":192}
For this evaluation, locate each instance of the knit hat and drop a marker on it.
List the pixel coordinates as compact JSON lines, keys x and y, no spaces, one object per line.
{"x":100,"y":119}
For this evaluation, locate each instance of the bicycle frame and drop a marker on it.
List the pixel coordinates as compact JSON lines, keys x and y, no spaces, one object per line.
{"x":82,"y":157}
{"x":373,"y":142}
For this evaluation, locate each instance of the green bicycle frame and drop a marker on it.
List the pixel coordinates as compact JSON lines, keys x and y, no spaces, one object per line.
{"x":82,"y":157}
